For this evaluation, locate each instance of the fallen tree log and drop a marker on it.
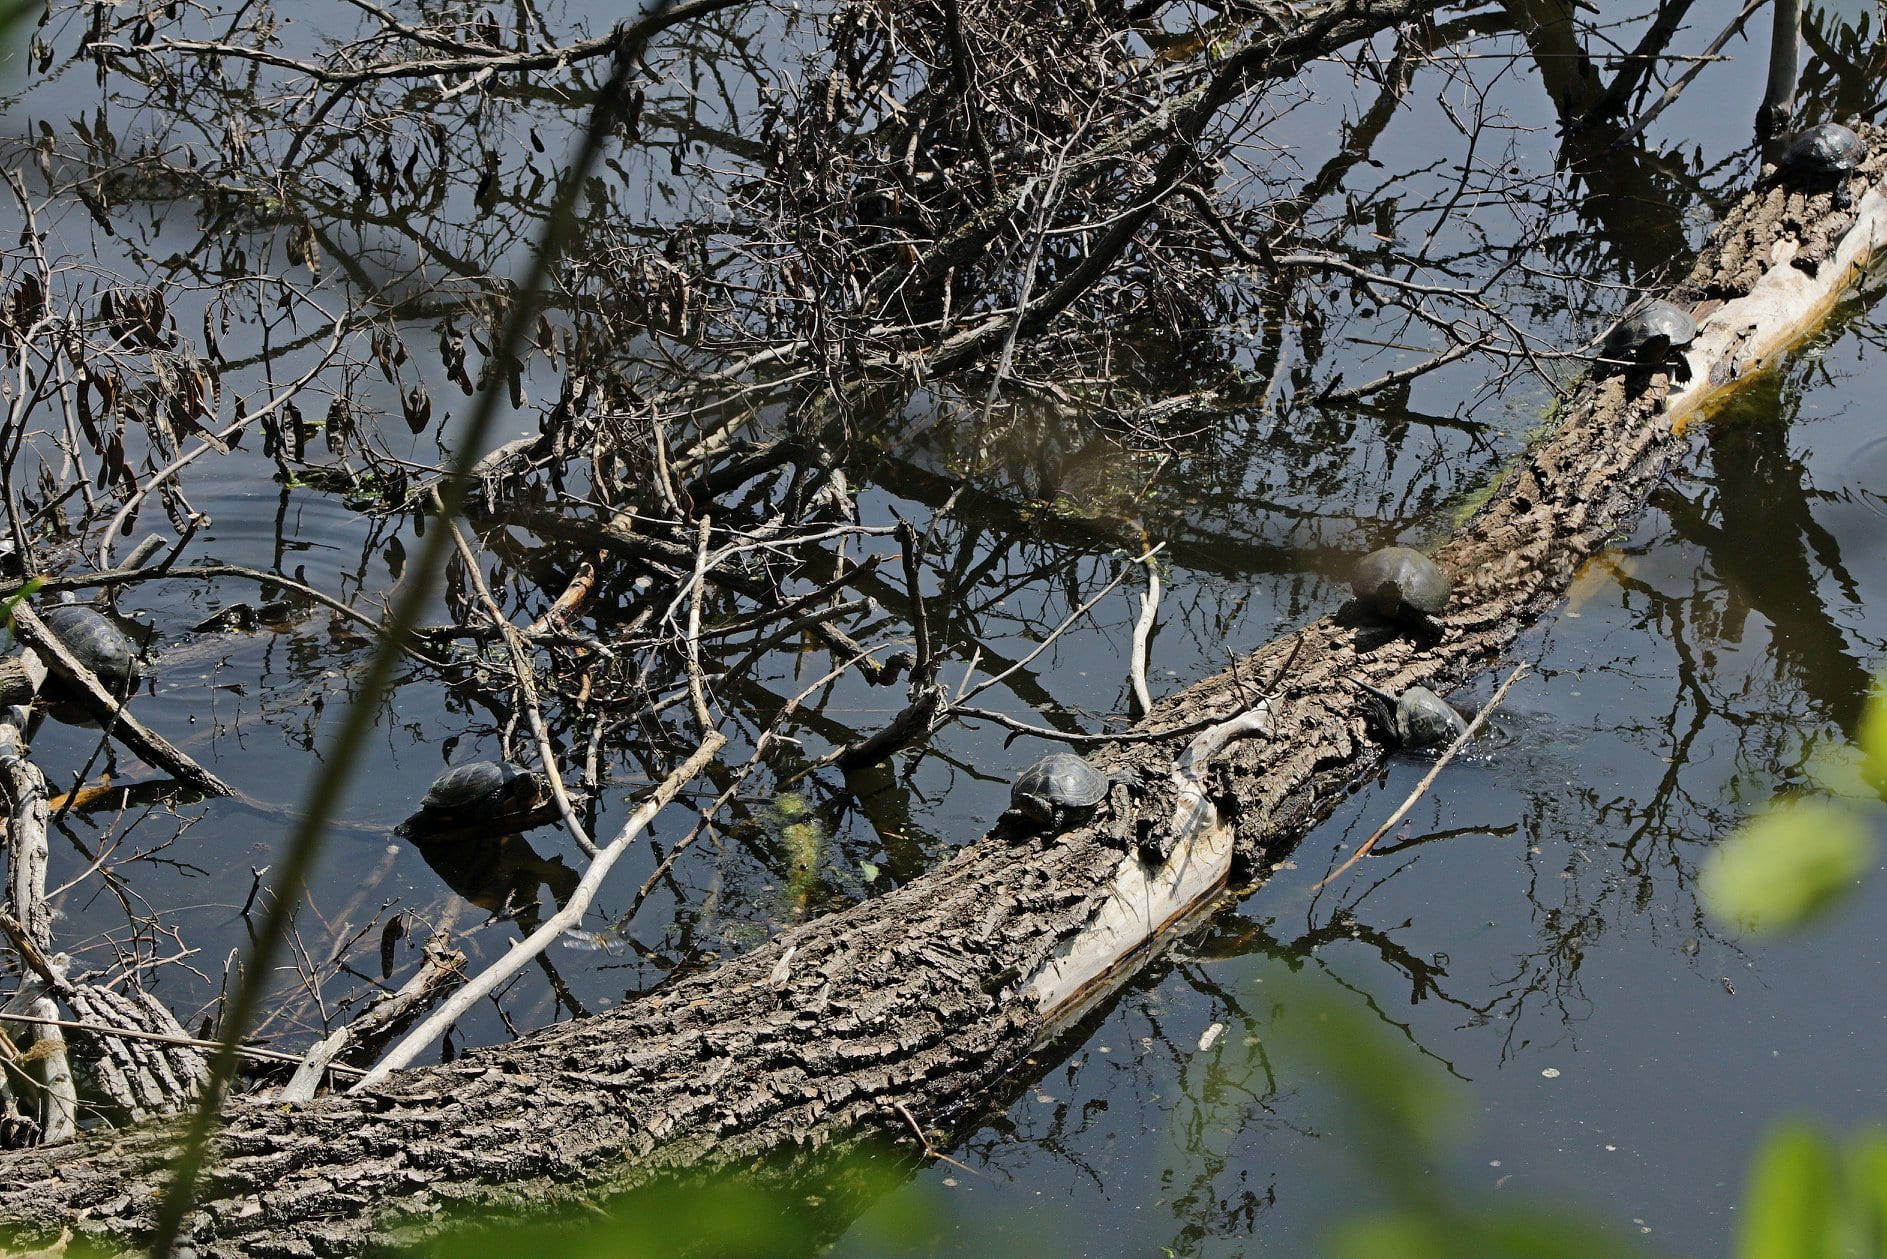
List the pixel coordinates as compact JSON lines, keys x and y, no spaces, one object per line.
{"x":917,"y":1002}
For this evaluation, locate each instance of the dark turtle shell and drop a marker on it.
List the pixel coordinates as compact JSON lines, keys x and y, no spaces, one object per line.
{"x":1823,"y":151}
{"x":495,"y":785}
{"x":1424,"y":719}
{"x":1399,"y":583}
{"x":1650,"y":331}
{"x":1057,"y":787}
{"x":98,"y":644}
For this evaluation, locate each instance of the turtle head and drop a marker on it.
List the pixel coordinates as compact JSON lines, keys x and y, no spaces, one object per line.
{"x":1037,"y":808}
{"x":1388,"y":600}
{"x":521,"y":791}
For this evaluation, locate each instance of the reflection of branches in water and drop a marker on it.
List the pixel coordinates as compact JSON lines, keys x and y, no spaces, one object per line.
{"x":678,"y":277}
{"x":1245,"y":937}
{"x":1226,"y":1089}
{"x":1758,"y":531}
{"x":686,"y":256}
{"x":1638,"y":869}
{"x":1842,"y":78}
{"x":106,"y":867}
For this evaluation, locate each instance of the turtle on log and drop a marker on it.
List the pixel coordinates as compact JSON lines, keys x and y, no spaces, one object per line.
{"x":475,"y":795}
{"x":97,"y":644}
{"x":1399,"y":585}
{"x":1821,"y":157}
{"x":1058,"y":790}
{"x":1652,"y":334}
{"x":1417,"y":718}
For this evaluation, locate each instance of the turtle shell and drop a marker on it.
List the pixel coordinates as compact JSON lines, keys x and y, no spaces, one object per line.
{"x":1650,"y":331}
{"x":1399,"y":583}
{"x":1425,"y":719}
{"x":1823,"y":151}
{"x":1057,"y":786}
{"x":98,"y":644}
{"x":496,"y":785}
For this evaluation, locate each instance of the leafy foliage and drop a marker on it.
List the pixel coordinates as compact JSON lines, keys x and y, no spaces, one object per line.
{"x":1809,"y":1198}
{"x":1787,"y":865}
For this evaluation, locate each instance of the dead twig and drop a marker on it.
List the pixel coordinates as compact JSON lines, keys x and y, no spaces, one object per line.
{"x":1676,"y":89}
{"x":629,"y":34}
{"x":184,"y":1042}
{"x":526,"y":679}
{"x":485,"y":983}
{"x":441,"y":966}
{"x":1143,"y":637}
{"x":931,"y":1151}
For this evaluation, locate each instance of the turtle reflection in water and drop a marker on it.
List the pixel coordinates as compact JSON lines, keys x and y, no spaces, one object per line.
{"x":1059,"y":790}
{"x":500,"y":874}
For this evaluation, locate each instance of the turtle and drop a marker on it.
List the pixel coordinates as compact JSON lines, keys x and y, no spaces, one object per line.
{"x":1417,"y":718}
{"x":488,"y":788}
{"x":1652,"y":334}
{"x":1402,"y":586}
{"x":1827,"y":150}
{"x":96,"y":643}
{"x":1058,"y":790}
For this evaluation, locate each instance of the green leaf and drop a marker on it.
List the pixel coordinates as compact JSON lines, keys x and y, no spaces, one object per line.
{"x":726,"y":1217}
{"x":1793,"y":1206}
{"x":1494,"y":1233}
{"x":1403,"y":1106}
{"x":1871,"y":738}
{"x":18,"y":597}
{"x":1839,"y":769}
{"x":1867,"y":1179}
{"x":1786,"y":865}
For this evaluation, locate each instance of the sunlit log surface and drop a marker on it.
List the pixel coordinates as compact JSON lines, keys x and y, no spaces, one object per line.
{"x":917,"y":1002}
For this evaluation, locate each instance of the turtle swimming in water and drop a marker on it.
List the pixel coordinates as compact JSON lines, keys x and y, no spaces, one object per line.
{"x":1401,"y":586}
{"x":1417,"y":718}
{"x":1652,"y":334}
{"x":478,"y":790}
{"x":1058,"y":790}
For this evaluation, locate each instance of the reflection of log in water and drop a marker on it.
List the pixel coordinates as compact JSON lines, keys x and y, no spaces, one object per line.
{"x":1773,"y":557}
{"x":919,"y":1001}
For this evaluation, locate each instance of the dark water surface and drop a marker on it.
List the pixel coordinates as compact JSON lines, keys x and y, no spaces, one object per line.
{"x":1537,"y":934}
{"x":1620,"y":1049}
{"x":1533,"y":931}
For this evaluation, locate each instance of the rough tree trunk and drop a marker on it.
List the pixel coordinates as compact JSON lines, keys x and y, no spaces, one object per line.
{"x":923,"y":998}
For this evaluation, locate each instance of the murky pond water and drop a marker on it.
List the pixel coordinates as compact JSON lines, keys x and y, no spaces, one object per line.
{"x":1532,"y":929}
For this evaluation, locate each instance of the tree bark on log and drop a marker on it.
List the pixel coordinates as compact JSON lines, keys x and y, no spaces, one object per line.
{"x":923,"y":999}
